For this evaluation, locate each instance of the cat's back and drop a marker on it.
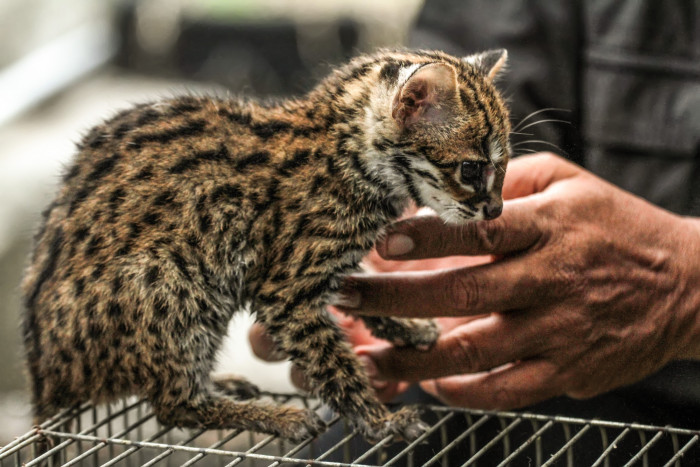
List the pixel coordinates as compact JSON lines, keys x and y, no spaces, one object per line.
{"x":141,"y":232}
{"x":134,"y":178}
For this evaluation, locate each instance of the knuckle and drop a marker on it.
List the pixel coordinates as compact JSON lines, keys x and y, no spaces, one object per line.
{"x":463,"y":291}
{"x":481,"y":236}
{"x":468,"y":355}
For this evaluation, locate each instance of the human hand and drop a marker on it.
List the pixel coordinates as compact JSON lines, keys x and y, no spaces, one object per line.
{"x":593,"y":288}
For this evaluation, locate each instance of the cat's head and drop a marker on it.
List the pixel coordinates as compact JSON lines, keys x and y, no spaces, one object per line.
{"x":452,"y":133}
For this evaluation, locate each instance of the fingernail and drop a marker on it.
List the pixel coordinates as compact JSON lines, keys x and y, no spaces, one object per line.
{"x":372,"y":372}
{"x":399,"y":244}
{"x":347,"y":299}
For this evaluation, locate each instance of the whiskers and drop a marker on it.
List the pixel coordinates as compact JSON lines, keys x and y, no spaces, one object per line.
{"x":453,"y":214}
{"x":521,"y":147}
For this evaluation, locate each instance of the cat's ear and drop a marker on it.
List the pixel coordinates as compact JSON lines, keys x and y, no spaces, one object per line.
{"x":490,"y":63}
{"x":428,"y":95}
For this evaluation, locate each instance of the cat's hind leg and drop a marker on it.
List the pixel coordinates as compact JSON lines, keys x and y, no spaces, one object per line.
{"x":404,"y":332}
{"x":208,"y":408}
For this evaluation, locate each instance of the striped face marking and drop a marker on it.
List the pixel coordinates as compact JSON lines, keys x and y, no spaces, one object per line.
{"x":459,"y":166}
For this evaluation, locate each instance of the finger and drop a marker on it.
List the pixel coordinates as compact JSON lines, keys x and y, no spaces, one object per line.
{"x":262,"y":344}
{"x":505,"y":285}
{"x":476,"y":346}
{"x":532,"y":174}
{"x":517,"y":229}
{"x":512,"y":387}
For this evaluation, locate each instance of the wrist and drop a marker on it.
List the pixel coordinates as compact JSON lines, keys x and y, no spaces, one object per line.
{"x":689,"y":255}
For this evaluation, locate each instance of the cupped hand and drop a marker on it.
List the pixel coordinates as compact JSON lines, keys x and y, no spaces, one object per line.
{"x":591,"y":288}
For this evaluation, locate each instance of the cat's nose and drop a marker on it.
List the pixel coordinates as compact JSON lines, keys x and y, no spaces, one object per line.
{"x":493,"y":209}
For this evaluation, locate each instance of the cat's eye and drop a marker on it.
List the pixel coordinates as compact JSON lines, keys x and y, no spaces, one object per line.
{"x":470,"y":172}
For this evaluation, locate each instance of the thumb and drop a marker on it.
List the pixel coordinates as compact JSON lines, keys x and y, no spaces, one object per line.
{"x":517,"y":229}
{"x":532,"y":174}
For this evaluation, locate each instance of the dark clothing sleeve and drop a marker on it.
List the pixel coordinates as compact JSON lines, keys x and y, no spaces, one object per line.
{"x":627,"y":73}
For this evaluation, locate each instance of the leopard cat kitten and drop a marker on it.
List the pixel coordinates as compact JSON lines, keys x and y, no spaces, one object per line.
{"x":176,"y":214}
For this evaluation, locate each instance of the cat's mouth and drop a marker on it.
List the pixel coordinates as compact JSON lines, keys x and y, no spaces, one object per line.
{"x":487,"y":209}
{"x":463,"y":213}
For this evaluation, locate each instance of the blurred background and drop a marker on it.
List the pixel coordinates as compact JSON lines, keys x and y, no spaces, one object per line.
{"x":65,"y":65}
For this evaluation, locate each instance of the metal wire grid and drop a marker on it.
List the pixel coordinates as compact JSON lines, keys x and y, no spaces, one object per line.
{"x":127,"y":434}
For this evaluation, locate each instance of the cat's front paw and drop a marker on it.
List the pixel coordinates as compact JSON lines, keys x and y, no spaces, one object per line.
{"x":402,"y":425}
{"x":300,"y":425}
{"x":423,"y":334}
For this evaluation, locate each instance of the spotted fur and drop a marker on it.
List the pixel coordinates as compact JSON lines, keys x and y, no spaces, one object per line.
{"x":176,"y":214}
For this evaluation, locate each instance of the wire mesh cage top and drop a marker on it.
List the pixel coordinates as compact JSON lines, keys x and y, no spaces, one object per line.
{"x":127,"y":434}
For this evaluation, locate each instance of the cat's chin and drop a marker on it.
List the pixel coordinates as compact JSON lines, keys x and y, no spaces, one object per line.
{"x":459,"y":218}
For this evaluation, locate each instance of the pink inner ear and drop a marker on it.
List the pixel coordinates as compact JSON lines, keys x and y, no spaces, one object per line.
{"x":429,"y":87}
{"x":415,"y":92}
{"x":411,"y":101}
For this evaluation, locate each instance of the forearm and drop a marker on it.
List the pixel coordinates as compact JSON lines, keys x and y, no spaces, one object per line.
{"x":689,"y":256}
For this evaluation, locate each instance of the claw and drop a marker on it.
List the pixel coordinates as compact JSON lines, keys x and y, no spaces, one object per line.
{"x":414,"y":431}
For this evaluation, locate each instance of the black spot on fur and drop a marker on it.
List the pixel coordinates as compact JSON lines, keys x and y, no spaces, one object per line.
{"x":165,"y":198}
{"x":204,"y":223}
{"x":317,"y":183}
{"x":225,"y":192}
{"x":390,"y":72}
{"x":81,"y":234}
{"x":103,"y":167}
{"x":79,"y":286}
{"x":78,"y":199}
{"x":268,"y":129}
{"x":122,"y":130}
{"x":160,"y":308}
{"x":300,"y":158}
{"x":114,"y":310}
{"x":148,"y":116}
{"x":191,"y":128}
{"x":188,"y":163}
{"x":93,"y":245}
{"x":152,"y":275}
{"x":330,"y":166}
{"x":241,"y":118}
{"x":151,"y":218}
{"x":181,"y":264}
{"x":201,"y":205}
{"x":116,"y":285}
{"x":95,"y":138}
{"x":257,"y":158}
{"x":134,"y":230}
{"x":71,"y":173}
{"x":97,"y":271}
{"x":116,"y":198}
{"x":144,"y":174}
{"x":186,"y":105}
